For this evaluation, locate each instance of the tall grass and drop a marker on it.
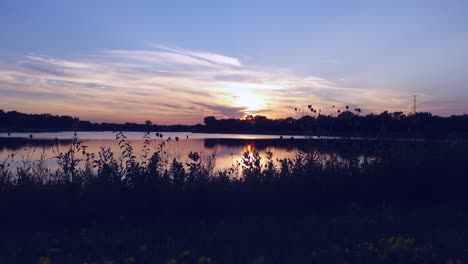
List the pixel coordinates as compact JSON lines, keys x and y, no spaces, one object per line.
{"x":155,"y":181}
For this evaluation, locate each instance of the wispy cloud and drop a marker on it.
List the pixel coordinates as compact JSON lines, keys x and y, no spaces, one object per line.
{"x":172,"y":85}
{"x":204,"y":56}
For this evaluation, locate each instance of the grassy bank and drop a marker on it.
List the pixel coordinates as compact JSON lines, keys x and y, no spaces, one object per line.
{"x":352,"y":235}
{"x":376,"y":202}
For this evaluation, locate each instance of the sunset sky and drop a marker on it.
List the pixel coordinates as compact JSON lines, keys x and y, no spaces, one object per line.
{"x":178,"y":61}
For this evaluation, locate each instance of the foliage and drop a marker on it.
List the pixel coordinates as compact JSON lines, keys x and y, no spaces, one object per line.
{"x":309,"y":121}
{"x":158,"y":183}
{"x":156,"y":187}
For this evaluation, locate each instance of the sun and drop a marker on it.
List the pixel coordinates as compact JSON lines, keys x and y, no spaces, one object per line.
{"x":250,"y":100}
{"x":250,"y":96}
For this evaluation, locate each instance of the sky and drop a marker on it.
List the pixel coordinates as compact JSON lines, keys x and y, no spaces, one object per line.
{"x":178,"y":61}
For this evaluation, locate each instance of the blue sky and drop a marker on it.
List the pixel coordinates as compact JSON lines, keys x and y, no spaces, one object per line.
{"x":102,"y":60}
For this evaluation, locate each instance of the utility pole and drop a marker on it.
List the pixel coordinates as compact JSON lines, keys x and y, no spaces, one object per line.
{"x":414,"y":104}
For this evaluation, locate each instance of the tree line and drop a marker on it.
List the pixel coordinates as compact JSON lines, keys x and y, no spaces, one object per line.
{"x":14,"y":121}
{"x":347,"y":123}
{"x":344,"y":123}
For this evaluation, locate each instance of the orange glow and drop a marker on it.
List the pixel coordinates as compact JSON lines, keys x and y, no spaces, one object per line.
{"x":248,"y":148}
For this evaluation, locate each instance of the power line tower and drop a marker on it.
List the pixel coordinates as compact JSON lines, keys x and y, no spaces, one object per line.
{"x":414,"y":104}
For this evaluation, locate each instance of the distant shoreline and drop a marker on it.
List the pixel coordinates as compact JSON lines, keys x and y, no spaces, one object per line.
{"x":284,"y":136}
{"x":346,"y":124}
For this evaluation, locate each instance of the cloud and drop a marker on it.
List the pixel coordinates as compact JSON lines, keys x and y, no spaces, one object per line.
{"x":57,"y":62}
{"x":171,"y":85}
{"x":205,"y":56}
{"x":229,"y":111}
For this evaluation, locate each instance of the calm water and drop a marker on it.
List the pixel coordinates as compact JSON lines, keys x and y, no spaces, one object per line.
{"x":228,"y":147}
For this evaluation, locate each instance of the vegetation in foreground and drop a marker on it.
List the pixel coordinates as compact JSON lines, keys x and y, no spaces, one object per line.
{"x":404,"y":203}
{"x":352,"y":235}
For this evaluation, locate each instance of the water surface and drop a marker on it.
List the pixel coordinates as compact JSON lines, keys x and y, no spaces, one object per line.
{"x":228,"y":148}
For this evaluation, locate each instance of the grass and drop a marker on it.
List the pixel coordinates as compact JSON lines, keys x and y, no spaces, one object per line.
{"x":351,"y":236}
{"x":405,"y":202}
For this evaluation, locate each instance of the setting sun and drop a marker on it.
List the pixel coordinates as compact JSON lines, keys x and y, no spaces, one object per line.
{"x":250,"y":100}
{"x":252,"y":96}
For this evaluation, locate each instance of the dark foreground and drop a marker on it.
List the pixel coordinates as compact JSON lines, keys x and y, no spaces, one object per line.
{"x":384,"y":235}
{"x":365,"y":202}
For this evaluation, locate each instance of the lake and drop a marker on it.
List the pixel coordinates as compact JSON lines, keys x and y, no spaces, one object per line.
{"x":228,"y":148}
